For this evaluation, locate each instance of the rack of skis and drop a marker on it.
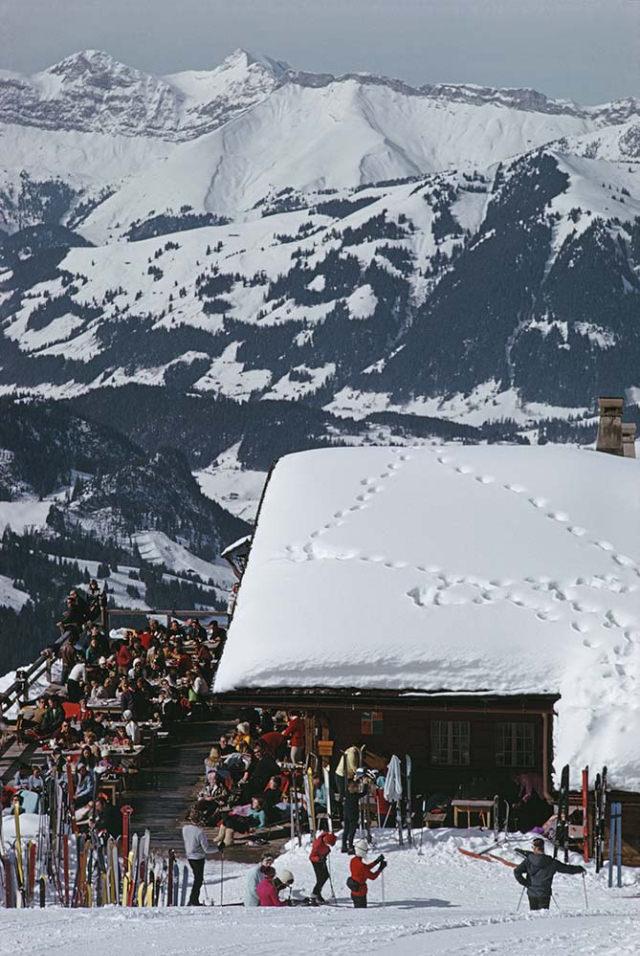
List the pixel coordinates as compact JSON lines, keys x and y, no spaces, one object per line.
{"x":60,"y":866}
{"x":571,"y":833}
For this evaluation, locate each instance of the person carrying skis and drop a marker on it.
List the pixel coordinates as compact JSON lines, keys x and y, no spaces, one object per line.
{"x":255,"y":877}
{"x":361,"y":872}
{"x":536,"y":873}
{"x":320,"y":851}
{"x":196,"y":847}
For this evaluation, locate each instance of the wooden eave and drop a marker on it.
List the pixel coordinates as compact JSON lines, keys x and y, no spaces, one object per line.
{"x":350,"y":697}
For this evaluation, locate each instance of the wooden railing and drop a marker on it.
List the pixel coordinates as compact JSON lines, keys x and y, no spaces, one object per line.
{"x":18,"y":692}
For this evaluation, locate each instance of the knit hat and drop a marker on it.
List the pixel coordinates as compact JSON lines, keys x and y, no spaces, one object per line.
{"x":361,"y":848}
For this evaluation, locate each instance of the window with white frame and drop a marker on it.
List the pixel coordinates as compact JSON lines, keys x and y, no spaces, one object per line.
{"x":515,"y":744}
{"x":450,"y":741}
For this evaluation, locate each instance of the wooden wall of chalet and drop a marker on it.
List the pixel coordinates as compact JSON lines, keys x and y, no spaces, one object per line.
{"x":630,"y":826}
{"x":408,"y":731}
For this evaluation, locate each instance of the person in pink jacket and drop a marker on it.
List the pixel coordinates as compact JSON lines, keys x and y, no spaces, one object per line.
{"x":266,"y":890}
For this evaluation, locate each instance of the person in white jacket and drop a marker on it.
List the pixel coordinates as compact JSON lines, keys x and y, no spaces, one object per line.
{"x":131,"y":728}
{"x":256,"y":875}
{"x":196,"y":848}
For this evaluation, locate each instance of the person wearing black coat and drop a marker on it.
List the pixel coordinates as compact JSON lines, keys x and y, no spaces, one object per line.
{"x":261,"y":769}
{"x":536,"y":873}
{"x":108,"y":819}
{"x":350,"y":816}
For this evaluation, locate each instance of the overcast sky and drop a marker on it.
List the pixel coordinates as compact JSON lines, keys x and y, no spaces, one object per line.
{"x":584,"y":49}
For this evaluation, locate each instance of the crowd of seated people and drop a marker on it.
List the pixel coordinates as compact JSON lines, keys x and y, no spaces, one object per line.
{"x":252,"y":775}
{"x":113,"y":689}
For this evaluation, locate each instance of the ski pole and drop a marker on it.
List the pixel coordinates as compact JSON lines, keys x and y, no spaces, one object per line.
{"x":584,"y":887}
{"x":612,"y":838}
{"x":333,"y":892}
{"x":555,"y":901}
{"x":221,"y":876}
{"x":520,"y":900}
{"x":382,"y":887}
{"x":619,"y":842}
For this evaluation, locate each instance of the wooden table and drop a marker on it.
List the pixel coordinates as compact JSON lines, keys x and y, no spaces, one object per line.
{"x":482,"y":808}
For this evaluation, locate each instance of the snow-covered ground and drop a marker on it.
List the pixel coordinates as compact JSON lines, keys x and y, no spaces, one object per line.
{"x":437,"y":902}
{"x":157,"y":548}
{"x":24,"y":513}
{"x":235,"y":488}
{"x":11,"y":596}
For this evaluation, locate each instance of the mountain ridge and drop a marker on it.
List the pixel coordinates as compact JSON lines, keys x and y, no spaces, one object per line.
{"x":182,"y":105}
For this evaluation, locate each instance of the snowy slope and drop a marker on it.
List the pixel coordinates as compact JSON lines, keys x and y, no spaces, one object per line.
{"x":505,"y":570}
{"x":332,"y":137}
{"x":163,"y":282}
{"x":251,"y":127}
{"x":385,"y":293}
{"x":439,"y":903}
{"x":11,"y":596}
{"x":157,"y":548}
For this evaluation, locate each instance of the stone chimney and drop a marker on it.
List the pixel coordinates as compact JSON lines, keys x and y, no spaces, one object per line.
{"x":629,"y":440}
{"x":610,"y":426}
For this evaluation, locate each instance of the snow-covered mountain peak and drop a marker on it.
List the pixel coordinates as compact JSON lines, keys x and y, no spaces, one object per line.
{"x":91,"y":91}
{"x":87,"y":61}
{"x":213,"y":97}
{"x":618,"y":111}
{"x":245,"y":59}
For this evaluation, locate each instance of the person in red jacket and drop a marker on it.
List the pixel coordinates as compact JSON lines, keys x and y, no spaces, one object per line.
{"x":294,"y":732}
{"x":361,"y":872}
{"x":124,"y":657}
{"x":320,"y":851}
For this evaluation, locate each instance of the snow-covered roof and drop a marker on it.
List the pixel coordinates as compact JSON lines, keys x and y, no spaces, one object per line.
{"x":499,"y":569}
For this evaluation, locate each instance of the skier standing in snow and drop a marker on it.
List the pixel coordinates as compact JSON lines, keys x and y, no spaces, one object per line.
{"x":196,"y":847}
{"x":361,"y":872}
{"x":320,"y":851}
{"x":536,"y":873}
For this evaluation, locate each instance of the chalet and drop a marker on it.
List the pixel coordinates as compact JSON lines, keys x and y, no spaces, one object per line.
{"x":475,"y":606}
